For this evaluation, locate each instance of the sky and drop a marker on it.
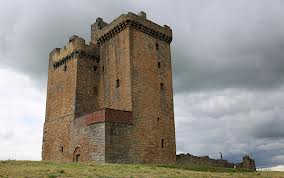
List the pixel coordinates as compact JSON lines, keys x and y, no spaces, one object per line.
{"x":228,"y":69}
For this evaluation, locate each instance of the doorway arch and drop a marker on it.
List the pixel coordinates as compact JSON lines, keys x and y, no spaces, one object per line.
{"x":77,"y":154}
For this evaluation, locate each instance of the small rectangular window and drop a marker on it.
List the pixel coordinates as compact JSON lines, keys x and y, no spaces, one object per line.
{"x":95,"y":68}
{"x":157,"y":46}
{"x":117,"y":83}
{"x":158,"y":119}
{"x":162,"y":143}
{"x":159,"y":64}
{"x":61,"y":149}
{"x":161,"y":86}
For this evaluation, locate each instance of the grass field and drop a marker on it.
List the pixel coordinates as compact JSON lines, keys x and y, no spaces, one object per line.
{"x":51,"y":170}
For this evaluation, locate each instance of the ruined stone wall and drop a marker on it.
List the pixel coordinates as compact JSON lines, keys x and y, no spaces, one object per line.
{"x":247,"y":162}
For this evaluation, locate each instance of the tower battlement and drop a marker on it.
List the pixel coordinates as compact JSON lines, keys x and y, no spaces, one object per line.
{"x":75,"y":48}
{"x":75,"y":44}
{"x":101,"y":33}
{"x":112,"y":100}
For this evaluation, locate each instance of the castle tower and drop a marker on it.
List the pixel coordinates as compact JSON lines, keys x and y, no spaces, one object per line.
{"x":112,"y":100}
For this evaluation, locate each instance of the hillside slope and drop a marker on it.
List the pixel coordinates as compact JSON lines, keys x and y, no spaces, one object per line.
{"x":52,"y":170}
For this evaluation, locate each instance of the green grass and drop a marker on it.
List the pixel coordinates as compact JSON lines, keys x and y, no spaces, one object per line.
{"x":27,"y":169}
{"x":203,"y":168}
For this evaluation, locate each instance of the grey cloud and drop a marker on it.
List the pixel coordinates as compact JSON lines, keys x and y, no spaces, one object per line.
{"x":217,"y":44}
{"x":271,"y":128}
{"x":230,"y":44}
{"x":233,"y":121}
{"x":33,"y":33}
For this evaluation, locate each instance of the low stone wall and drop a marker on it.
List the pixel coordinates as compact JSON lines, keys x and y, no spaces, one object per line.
{"x":247,"y":162}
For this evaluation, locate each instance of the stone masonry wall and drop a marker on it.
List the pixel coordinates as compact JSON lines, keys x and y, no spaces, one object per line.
{"x":247,"y":162}
{"x":112,"y":100}
{"x":90,"y":139}
{"x":116,"y":71}
{"x":153,"y":131}
{"x":60,"y":105}
{"x":87,"y":85}
{"x":118,"y":142}
{"x":102,"y":136}
{"x":61,"y":98}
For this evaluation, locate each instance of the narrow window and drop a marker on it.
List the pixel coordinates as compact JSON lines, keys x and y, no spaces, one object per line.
{"x":158,"y":119}
{"x":65,"y":68}
{"x":95,"y":68}
{"x":61,"y":149}
{"x":103,"y":68}
{"x":162,"y":143}
{"x":159,"y":64}
{"x":157,"y":46}
{"x":117,"y":83}
{"x":161,"y":86}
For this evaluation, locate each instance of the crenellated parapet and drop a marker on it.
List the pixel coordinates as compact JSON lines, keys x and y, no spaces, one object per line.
{"x":75,"y":48}
{"x":138,"y":22}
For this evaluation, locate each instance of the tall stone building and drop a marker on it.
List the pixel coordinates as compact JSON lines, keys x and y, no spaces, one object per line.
{"x":112,"y":100}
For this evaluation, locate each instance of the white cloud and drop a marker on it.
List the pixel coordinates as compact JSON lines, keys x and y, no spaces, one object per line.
{"x":22,"y":108}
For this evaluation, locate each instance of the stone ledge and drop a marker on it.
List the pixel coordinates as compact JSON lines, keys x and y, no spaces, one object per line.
{"x":107,"y":115}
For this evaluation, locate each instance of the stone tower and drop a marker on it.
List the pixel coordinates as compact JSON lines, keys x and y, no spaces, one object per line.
{"x":112,"y":100}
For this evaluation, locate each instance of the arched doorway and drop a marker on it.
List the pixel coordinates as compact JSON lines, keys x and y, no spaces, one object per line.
{"x":77,"y":154}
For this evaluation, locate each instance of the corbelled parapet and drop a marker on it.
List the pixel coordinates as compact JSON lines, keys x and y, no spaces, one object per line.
{"x":75,"y":48}
{"x":104,"y":32}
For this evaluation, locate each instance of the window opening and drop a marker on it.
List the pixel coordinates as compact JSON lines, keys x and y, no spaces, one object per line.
{"x":161,"y":86}
{"x":117,"y":83}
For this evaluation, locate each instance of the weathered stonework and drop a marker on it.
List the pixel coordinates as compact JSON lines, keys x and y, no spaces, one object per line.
{"x":247,"y":162}
{"x":112,"y":100}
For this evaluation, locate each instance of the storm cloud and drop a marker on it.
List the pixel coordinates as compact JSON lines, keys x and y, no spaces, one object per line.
{"x":228,"y":65}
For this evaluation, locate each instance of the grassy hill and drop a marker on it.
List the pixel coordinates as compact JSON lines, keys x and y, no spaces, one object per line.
{"x":51,"y":170}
